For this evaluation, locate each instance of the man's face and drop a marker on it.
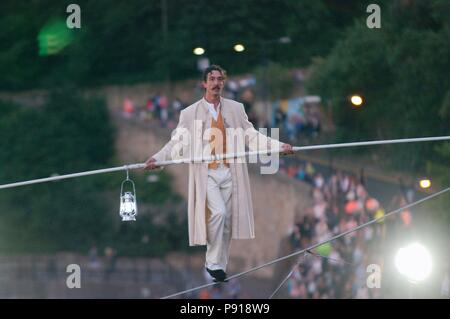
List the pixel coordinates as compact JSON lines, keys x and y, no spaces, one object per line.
{"x":214,"y":84}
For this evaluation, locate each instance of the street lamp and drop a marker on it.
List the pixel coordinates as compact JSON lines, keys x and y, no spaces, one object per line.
{"x":199,"y":51}
{"x":425,"y":183}
{"x":239,"y":48}
{"x":356,"y":100}
{"x":202,"y":61}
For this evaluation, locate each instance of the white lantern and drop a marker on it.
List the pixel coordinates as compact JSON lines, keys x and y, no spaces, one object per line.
{"x":128,"y":205}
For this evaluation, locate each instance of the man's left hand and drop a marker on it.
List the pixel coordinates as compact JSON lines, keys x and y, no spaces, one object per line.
{"x":286,"y":149}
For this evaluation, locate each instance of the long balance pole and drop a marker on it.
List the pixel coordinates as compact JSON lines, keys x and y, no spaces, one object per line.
{"x":223,"y":156}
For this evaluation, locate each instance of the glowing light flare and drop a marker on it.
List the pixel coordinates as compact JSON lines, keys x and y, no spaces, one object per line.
{"x":239,"y":48}
{"x":425,"y":183}
{"x":199,"y":51}
{"x":414,"y":262}
{"x":356,"y":100}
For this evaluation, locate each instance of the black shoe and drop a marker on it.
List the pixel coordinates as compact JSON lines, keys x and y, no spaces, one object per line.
{"x":219,"y":275}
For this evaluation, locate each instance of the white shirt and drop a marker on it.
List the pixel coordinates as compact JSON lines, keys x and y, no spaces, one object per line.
{"x":212,"y":110}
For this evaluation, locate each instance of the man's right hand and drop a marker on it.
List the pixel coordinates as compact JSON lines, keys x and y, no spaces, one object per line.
{"x":151,"y":164}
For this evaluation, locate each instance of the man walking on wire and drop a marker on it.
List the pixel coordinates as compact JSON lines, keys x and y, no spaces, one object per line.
{"x":219,"y":205}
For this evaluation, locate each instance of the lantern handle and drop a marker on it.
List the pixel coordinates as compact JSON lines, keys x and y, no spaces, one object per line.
{"x":127,"y":180}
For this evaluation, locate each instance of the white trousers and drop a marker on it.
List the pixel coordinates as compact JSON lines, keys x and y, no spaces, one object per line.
{"x":218,"y":200}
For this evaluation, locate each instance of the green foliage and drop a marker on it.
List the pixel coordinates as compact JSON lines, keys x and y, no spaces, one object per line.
{"x":359,"y":54}
{"x":71,"y":134}
{"x":402,"y":72}
{"x":68,"y":134}
{"x":125,"y":42}
{"x":274,"y":80}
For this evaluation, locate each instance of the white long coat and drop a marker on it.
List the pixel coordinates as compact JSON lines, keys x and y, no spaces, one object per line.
{"x":195,"y":119}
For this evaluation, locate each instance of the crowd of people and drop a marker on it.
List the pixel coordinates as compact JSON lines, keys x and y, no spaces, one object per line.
{"x":340,"y":202}
{"x":158,"y":107}
{"x":298,"y":118}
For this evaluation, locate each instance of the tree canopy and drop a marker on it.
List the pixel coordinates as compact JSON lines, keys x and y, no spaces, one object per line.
{"x":71,"y":134}
{"x":125,"y":42}
{"x":401,"y":70}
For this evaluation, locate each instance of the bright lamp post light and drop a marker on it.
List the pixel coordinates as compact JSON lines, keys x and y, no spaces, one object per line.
{"x":199,"y":51}
{"x":414,"y":262}
{"x":425,"y":183}
{"x":356,"y":100}
{"x":239,"y":48}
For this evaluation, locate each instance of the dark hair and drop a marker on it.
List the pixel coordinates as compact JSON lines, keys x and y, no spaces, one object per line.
{"x":213,"y":67}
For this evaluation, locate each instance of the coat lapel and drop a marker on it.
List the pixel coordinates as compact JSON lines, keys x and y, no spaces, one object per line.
{"x":204,"y":115}
{"x":225,"y":113}
{"x":202,"y":121}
